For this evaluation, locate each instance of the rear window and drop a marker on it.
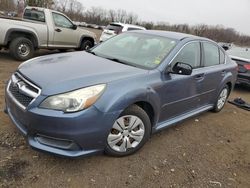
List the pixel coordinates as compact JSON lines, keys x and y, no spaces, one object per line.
{"x":36,"y":15}
{"x":114,"y":27}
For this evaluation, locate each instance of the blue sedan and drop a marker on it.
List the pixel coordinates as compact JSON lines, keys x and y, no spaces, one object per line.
{"x":113,"y":97}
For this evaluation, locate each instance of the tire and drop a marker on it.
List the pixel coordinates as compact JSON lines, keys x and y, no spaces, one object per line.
{"x":221,"y":99}
{"x":129,"y":132}
{"x":86,"y":45}
{"x":21,"y":49}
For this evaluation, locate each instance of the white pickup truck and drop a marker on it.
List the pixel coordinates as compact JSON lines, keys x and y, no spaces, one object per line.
{"x":42,"y":28}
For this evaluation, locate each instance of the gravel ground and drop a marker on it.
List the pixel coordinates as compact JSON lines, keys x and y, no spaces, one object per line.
{"x":209,"y":150}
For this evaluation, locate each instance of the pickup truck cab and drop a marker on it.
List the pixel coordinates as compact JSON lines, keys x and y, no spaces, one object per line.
{"x":42,"y":28}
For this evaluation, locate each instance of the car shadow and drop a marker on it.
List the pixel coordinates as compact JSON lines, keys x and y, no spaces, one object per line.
{"x":4,"y":55}
{"x":242,"y":88}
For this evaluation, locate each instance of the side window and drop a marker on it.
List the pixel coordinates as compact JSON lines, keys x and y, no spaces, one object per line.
{"x":222,"y":57}
{"x":211,"y":54}
{"x":61,"y":21}
{"x":34,"y":15}
{"x":190,"y":54}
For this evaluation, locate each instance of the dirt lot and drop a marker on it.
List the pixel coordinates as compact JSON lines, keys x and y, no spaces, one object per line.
{"x":210,"y":150}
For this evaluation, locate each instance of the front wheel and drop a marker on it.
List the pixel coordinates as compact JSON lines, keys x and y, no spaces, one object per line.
{"x":222,"y":98}
{"x":129,"y":132}
{"x":86,"y":45}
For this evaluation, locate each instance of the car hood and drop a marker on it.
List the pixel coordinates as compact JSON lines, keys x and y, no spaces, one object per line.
{"x":60,"y":73}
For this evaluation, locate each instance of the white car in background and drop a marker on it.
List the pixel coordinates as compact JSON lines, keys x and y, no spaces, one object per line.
{"x":116,"y":28}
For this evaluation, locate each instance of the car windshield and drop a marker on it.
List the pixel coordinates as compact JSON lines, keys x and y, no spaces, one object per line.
{"x":136,"y":49}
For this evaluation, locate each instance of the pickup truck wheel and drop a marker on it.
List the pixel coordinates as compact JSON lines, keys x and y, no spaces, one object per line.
{"x":86,"y":44}
{"x":21,"y":49}
{"x":129,"y":132}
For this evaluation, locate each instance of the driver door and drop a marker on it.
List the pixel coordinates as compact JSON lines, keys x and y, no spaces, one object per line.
{"x":180,"y":93}
{"x":64,"y":34}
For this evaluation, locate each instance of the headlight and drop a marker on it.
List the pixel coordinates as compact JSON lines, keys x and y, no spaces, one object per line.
{"x":75,"y":100}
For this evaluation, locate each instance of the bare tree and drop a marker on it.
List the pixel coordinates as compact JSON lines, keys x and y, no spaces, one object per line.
{"x":40,"y":3}
{"x":7,"y":5}
{"x":97,"y":15}
{"x":111,"y":15}
{"x":131,"y":18}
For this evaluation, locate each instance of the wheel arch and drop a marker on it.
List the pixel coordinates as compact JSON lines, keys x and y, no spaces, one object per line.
{"x":86,"y":37}
{"x":228,"y":80}
{"x":148,"y":108}
{"x":14,"y":33}
{"x":143,"y":98}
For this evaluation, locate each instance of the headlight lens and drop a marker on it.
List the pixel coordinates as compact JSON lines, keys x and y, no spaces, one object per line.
{"x":75,"y":100}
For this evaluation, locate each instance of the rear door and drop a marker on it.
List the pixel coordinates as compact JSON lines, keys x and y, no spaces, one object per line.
{"x":64,"y":34}
{"x":214,"y":71}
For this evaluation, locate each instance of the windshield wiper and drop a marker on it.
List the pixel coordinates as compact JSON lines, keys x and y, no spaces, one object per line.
{"x":120,"y":61}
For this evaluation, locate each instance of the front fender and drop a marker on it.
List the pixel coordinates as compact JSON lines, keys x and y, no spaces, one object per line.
{"x":119,"y":101}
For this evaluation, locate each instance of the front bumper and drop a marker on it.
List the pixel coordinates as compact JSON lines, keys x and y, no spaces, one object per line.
{"x":77,"y":134}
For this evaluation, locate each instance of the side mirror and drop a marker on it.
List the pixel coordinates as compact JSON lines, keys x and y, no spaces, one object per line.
{"x":182,"y":68}
{"x":74,"y":27}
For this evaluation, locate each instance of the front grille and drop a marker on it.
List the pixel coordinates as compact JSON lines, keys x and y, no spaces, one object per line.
{"x":22,"y":91}
{"x":23,"y":99}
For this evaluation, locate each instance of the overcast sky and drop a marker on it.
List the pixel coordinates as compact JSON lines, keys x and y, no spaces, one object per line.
{"x":230,"y":13}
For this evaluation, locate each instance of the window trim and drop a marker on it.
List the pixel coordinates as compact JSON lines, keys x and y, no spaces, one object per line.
{"x":201,"y":54}
{"x":220,"y":49}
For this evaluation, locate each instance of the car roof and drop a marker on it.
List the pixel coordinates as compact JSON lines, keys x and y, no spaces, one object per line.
{"x":170,"y":34}
{"x":128,"y":25}
{"x":42,"y":9}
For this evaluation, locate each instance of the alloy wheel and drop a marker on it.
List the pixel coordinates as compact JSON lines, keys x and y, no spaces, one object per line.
{"x":222,"y":98}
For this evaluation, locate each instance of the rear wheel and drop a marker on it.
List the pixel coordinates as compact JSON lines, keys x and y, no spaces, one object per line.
{"x":86,"y":44}
{"x":129,"y":132}
{"x":21,"y":48}
{"x":221,"y":100}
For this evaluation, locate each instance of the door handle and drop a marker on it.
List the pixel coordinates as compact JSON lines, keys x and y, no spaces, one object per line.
{"x":58,"y":30}
{"x":199,"y":77}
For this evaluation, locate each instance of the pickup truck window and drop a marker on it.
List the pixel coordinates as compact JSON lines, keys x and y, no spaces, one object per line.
{"x":32,"y":14}
{"x":61,"y":21}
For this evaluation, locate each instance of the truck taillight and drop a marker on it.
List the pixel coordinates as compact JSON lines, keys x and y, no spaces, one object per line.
{"x":247,"y":66}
